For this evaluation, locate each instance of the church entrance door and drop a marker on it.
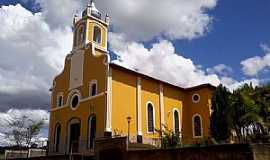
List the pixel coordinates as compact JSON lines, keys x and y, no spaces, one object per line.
{"x":74,"y":137}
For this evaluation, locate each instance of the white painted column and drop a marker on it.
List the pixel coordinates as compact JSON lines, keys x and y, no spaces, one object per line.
{"x":161,"y":102}
{"x":109,"y":102}
{"x":139,"y":107}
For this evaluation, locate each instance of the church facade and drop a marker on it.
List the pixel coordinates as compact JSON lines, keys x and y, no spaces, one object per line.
{"x":94,"y":98}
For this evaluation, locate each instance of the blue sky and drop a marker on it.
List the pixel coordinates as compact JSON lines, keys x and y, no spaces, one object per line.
{"x":237,"y":30}
{"x":191,"y":50}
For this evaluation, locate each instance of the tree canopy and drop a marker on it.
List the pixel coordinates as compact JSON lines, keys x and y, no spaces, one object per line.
{"x":245,"y":113}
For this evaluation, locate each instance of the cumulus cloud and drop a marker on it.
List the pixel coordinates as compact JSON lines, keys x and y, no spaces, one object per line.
{"x":220,"y":69}
{"x":35,"y":115}
{"x":160,"y":61}
{"x":58,"y":14}
{"x":254,"y":65}
{"x":140,"y":19}
{"x":233,"y":84}
{"x":32,"y":53}
{"x":174,"y":19}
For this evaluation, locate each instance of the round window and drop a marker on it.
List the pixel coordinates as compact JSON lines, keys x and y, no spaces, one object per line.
{"x":74,"y":101}
{"x":195,"y":98}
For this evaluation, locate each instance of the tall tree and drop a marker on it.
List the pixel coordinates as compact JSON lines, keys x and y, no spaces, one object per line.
{"x":23,"y":130}
{"x":220,"y":118}
{"x":245,"y":112}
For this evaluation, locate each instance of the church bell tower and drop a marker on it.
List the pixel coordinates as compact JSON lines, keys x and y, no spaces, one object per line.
{"x":90,"y":28}
{"x":90,"y":32}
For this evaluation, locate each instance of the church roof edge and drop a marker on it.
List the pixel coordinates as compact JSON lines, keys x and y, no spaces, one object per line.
{"x":206,"y":85}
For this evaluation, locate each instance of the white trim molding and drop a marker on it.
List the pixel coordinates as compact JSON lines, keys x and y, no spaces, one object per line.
{"x":173,"y":118}
{"x":154,"y":118}
{"x":60,"y":94}
{"x":71,"y":95}
{"x":196,"y":101}
{"x":73,"y":121}
{"x":91,"y":83}
{"x":139,"y":106}
{"x":108,"y":122}
{"x":193,"y":126}
{"x":82,"y":100}
{"x":161,"y":102}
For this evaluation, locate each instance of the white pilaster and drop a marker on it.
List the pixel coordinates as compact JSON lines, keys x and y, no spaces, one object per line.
{"x":139,"y":107}
{"x":161,"y":102}
{"x":109,"y":102}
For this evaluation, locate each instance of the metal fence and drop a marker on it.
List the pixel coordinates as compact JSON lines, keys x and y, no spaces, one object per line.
{"x":18,"y":154}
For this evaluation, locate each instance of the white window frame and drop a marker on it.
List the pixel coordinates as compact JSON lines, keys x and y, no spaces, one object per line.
{"x":91,"y":83}
{"x":80,"y":40}
{"x":61,"y":94}
{"x":71,"y":95}
{"x":100,"y":35}
{"x":154,"y":118}
{"x":89,"y":130}
{"x":179,"y":121}
{"x":196,"y":94}
{"x":55,"y":131}
{"x":193,"y":126}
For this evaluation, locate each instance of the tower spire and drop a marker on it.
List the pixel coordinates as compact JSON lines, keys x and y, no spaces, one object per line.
{"x":91,"y":10}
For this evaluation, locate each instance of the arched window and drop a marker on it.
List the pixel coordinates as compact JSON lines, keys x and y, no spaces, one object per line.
{"x":93,"y":88}
{"x":60,"y":100}
{"x":91,"y":131}
{"x":97,"y":35}
{"x":176,"y":121}
{"x":197,"y":126}
{"x":57,"y":135}
{"x":150,"y":117}
{"x":81,"y":35}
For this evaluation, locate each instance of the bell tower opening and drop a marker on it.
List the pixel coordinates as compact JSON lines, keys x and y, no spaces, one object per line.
{"x":90,"y":28}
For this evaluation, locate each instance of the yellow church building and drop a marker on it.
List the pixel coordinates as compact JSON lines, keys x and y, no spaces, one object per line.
{"x":94,"y":98}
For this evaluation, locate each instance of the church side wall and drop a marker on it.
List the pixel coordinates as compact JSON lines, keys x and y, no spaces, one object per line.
{"x":202,"y":108}
{"x":124,"y":104}
{"x":150,"y":94}
{"x":173,"y":101}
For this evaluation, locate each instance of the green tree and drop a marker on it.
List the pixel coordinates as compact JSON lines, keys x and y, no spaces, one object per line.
{"x":23,"y":130}
{"x":220,"y":119}
{"x":169,"y":139}
{"x":245,"y":112}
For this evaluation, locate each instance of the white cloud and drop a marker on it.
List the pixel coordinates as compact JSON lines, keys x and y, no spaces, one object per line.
{"x":35,"y":115}
{"x":174,"y":19}
{"x":59,"y":13}
{"x":233,"y":84}
{"x":140,"y":19}
{"x":32,"y":53}
{"x":220,"y":69}
{"x":160,"y":61}
{"x":252,"y":66}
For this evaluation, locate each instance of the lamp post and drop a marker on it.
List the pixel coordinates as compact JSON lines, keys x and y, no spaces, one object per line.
{"x":128,"y":120}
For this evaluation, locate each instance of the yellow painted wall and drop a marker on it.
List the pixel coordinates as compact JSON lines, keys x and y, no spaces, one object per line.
{"x":94,"y":68}
{"x":123,"y":102}
{"x":150,"y":93}
{"x":202,"y":108}
{"x":91,"y":25}
{"x":173,"y":98}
